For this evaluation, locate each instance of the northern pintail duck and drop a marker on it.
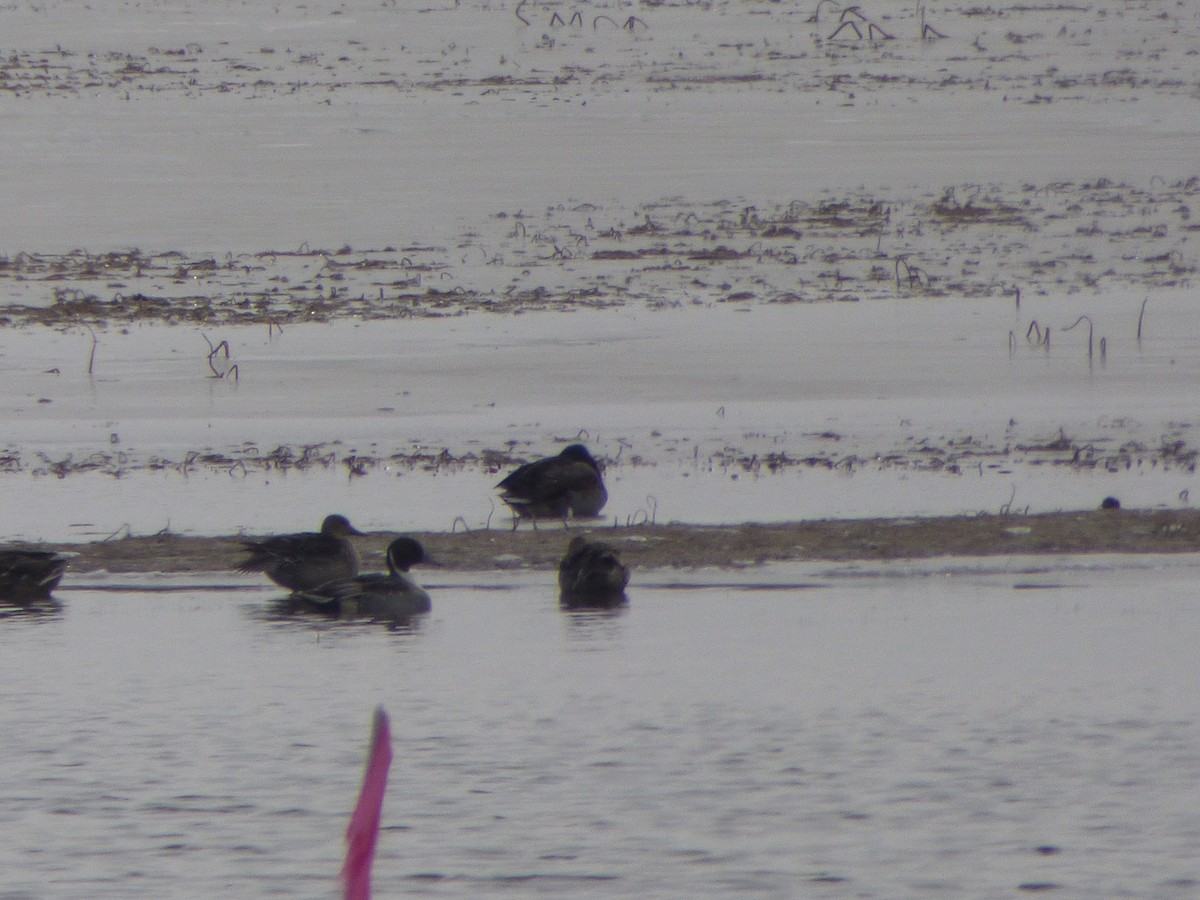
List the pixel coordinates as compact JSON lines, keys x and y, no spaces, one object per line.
{"x":304,"y":562}
{"x":556,"y":486}
{"x":27,"y":576}
{"x":395,"y":596}
{"x":590,"y":574}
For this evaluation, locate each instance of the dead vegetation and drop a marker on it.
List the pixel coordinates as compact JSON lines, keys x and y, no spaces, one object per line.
{"x":847,"y":51}
{"x":1110,"y":449}
{"x":965,"y":241}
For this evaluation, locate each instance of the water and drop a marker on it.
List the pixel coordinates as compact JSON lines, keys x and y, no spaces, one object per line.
{"x":938,"y":729}
{"x":903,"y":409}
{"x":868,"y":731}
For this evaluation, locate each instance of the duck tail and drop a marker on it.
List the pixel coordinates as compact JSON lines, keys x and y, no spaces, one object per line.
{"x":363,"y":830}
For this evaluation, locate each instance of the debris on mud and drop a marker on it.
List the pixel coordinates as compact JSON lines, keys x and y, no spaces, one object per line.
{"x":966,"y":242}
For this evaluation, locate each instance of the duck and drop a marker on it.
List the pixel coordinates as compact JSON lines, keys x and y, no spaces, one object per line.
{"x":305,"y":561}
{"x":569,"y":483}
{"x":591,"y":575}
{"x":394,"y":597}
{"x":28,"y":576}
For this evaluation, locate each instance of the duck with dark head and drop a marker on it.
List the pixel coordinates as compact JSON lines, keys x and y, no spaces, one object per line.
{"x":591,"y":575}
{"x":392,"y":597}
{"x":555,"y":487}
{"x":29,"y":576}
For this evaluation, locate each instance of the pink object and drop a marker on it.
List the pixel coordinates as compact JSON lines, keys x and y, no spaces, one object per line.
{"x":363,"y":830}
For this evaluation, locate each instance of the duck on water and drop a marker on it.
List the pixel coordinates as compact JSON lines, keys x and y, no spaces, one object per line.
{"x":30,"y":576}
{"x":591,"y":575}
{"x":305,"y":561}
{"x":393,"y":597}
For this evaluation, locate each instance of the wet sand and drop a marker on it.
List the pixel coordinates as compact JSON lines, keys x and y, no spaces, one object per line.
{"x":729,"y":546}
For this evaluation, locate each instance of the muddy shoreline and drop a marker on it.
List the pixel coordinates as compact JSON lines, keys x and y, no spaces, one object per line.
{"x":723,"y":546}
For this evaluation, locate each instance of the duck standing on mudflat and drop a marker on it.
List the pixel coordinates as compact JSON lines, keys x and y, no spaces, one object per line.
{"x":555,"y":486}
{"x":591,"y":574}
{"x":27,"y":576}
{"x":395,"y":597}
{"x":304,"y":562}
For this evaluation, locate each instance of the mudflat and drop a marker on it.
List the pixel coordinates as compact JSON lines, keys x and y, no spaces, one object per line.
{"x":722,"y":546}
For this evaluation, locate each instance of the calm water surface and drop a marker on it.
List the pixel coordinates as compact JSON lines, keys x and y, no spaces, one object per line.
{"x":977,"y":731}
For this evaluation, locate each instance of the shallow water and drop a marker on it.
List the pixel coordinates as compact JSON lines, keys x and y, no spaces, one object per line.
{"x":849,"y":732}
{"x":876,"y":409}
{"x":205,"y":134}
{"x":942,"y":729}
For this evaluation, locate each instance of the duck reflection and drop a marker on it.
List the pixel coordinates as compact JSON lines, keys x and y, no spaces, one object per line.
{"x":591,"y":576}
{"x":307,"y":612}
{"x":37,"y":609}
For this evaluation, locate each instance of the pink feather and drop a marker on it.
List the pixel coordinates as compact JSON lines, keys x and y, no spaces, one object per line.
{"x":363,"y":830}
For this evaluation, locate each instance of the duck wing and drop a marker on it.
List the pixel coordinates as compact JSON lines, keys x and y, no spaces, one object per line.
{"x":290,"y":549}
{"x":549,"y":479}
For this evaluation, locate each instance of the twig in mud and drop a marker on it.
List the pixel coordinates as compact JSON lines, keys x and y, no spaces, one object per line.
{"x":873,"y":30}
{"x":123,"y":531}
{"x":912,"y":273}
{"x":213,"y":352}
{"x":815,"y":18}
{"x":927,"y":30}
{"x":853,"y":27}
{"x":1087,"y":319}
{"x":644,"y":516}
{"x":517,"y":12}
{"x":1040,"y":338}
{"x":1006,"y":508}
{"x":454,"y":525}
{"x":1141,"y":316}
{"x":92,"y":354}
